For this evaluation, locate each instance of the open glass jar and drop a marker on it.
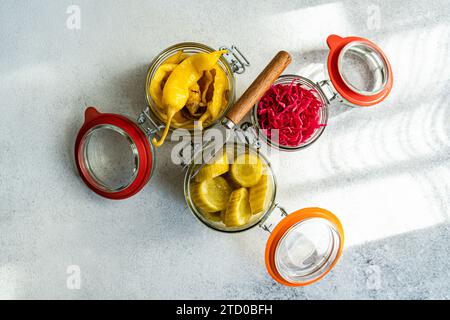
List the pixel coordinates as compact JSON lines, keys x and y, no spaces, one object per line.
{"x":358,"y":74}
{"x":114,"y":154}
{"x":231,"y":63}
{"x":303,"y":246}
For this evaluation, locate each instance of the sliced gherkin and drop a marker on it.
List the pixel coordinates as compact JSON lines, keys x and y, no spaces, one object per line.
{"x":246,"y":170}
{"x":219,"y":167}
{"x":260,"y":195}
{"x":238,"y":212}
{"x":211,"y":195}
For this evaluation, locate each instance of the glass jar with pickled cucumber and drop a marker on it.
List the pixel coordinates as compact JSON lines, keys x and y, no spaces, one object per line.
{"x":236,"y":191}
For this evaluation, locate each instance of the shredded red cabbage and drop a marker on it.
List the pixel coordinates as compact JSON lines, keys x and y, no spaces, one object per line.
{"x":293,"y":110}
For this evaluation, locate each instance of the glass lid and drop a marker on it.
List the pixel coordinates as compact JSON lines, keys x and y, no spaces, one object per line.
{"x":363,"y":69}
{"x":113,"y":155}
{"x":304,"y":247}
{"x":359,"y":70}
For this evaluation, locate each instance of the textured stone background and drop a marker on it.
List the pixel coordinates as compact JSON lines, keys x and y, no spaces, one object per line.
{"x":385,"y":171}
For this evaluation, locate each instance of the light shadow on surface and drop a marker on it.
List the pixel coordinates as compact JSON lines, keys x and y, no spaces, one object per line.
{"x":384,"y":269}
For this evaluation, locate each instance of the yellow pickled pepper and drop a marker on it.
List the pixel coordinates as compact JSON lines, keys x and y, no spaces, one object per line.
{"x":161,"y":74}
{"x":184,"y":76}
{"x":208,"y":81}
{"x":215,"y":105}
{"x":194,"y":99}
{"x":176,"y":58}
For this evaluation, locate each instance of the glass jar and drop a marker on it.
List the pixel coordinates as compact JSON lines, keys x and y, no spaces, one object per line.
{"x":231,"y":63}
{"x":302,"y":247}
{"x":232,"y":150}
{"x":323,"y":114}
{"x":358,"y":75}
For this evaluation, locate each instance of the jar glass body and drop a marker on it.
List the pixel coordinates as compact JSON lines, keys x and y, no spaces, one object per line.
{"x":234,"y":149}
{"x":187,"y":48}
{"x":323,"y":114}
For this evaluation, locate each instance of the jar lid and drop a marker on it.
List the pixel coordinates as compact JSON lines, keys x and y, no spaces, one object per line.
{"x":113,"y":155}
{"x":359,"y":70}
{"x":304,"y":247}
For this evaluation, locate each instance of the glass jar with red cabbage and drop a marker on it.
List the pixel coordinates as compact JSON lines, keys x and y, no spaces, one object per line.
{"x":293,"y":113}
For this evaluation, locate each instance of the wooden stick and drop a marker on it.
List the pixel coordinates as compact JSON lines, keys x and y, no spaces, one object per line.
{"x":261,"y":84}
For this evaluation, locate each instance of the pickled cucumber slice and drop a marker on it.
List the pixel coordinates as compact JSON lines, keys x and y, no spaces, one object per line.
{"x":215,"y":169}
{"x":211,"y":195}
{"x":246,"y":170}
{"x":238,"y":211}
{"x":259,"y":195}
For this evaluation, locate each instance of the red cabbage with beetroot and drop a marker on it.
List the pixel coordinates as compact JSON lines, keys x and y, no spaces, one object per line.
{"x":293,"y":110}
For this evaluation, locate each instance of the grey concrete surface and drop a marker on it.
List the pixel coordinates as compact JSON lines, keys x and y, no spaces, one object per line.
{"x":385,"y":171}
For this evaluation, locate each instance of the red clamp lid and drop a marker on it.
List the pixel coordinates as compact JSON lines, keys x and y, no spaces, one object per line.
{"x":113,"y":155}
{"x":359,"y":70}
{"x":304,"y":247}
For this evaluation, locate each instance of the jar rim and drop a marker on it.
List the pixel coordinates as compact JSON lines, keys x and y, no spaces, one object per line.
{"x":99,"y":183}
{"x":375,"y":55}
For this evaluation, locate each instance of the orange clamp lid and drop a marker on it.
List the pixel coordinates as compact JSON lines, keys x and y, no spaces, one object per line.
{"x":377,"y":64}
{"x":304,"y":247}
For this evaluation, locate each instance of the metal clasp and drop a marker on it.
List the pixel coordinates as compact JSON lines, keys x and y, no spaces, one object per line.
{"x":327,"y":89}
{"x":148,"y":124}
{"x":276,"y":214}
{"x":187,"y":153}
{"x":247,"y":134}
{"x":236,"y":59}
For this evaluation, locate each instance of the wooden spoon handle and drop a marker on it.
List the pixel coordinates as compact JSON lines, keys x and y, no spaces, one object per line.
{"x":261,"y":84}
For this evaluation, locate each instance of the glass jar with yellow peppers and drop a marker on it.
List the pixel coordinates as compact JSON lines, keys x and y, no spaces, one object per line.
{"x":210,"y":96}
